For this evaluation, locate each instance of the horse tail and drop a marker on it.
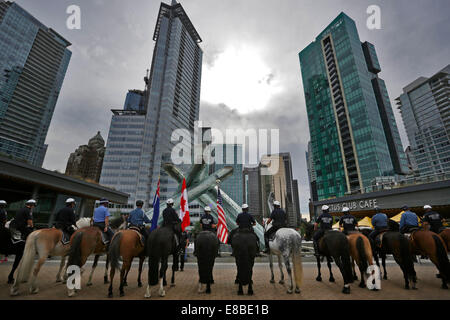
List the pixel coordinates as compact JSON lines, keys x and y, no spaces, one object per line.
{"x":297,"y":261}
{"x":344,"y":257}
{"x":362,"y":253}
{"x":75,"y":250}
{"x":243,"y":262}
{"x":442,"y":258}
{"x":206,"y":252}
{"x":406,"y":256}
{"x":114,"y":251}
{"x":27,"y":261}
{"x":153,"y":264}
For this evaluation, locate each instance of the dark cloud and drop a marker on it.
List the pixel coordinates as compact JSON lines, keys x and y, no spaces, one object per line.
{"x":114,"y":48}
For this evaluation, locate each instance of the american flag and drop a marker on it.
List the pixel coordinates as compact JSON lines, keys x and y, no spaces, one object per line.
{"x":222,"y":231}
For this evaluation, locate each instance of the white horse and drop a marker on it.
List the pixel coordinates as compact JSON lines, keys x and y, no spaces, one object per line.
{"x":44,"y":242}
{"x":287,"y":243}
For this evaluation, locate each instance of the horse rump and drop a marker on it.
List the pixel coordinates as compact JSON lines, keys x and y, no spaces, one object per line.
{"x":206,"y":248}
{"x":244,"y":247}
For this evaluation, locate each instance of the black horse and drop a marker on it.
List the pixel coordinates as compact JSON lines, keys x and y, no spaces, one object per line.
{"x":395,"y":243}
{"x":161,"y":244}
{"x":245,"y":249}
{"x":7,"y":247}
{"x":335,"y":244}
{"x":206,"y":246}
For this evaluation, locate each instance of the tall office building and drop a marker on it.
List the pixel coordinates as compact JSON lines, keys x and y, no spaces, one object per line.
{"x":231,"y":156}
{"x":252,"y":191}
{"x":425,"y":109}
{"x":33,"y":64}
{"x":354,"y":137}
{"x":174,"y":97}
{"x":311,"y":173}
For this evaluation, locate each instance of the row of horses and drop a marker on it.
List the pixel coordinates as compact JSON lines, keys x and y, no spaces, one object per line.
{"x":128,"y":244}
{"x":357,"y":247}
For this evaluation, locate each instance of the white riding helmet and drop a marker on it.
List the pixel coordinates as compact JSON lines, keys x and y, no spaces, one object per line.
{"x":207,"y":209}
{"x":276,"y":203}
{"x":31,"y":201}
{"x":244,"y":206}
{"x":325,"y":207}
{"x":2,"y":202}
{"x":345,"y":209}
{"x":170,"y":201}
{"x":70,"y":200}
{"x":427,"y":206}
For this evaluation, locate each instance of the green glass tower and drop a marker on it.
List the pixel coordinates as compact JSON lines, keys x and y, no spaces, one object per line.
{"x":354,"y":137}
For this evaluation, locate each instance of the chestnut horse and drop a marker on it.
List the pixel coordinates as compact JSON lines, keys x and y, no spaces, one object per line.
{"x":361,"y":253}
{"x":445,"y":235}
{"x":430,"y":244}
{"x":44,"y":242}
{"x":126,"y":244}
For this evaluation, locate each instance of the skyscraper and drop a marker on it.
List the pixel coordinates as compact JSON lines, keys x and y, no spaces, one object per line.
{"x":424,"y":106}
{"x":33,"y":64}
{"x":174,"y":97}
{"x":354,"y":138}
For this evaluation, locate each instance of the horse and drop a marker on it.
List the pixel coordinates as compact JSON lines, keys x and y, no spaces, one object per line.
{"x":335,"y":244}
{"x":126,"y":244}
{"x":9,"y":246}
{"x":206,"y":247}
{"x":160,"y":244}
{"x":361,"y":253}
{"x":430,"y":244}
{"x":287,"y":243}
{"x":45,"y":242}
{"x":87,"y":241}
{"x":245,"y":248}
{"x":445,"y":235}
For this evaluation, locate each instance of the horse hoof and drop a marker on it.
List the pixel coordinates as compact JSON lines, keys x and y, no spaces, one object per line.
{"x":10,"y":280}
{"x":34,"y":290}
{"x":89,"y":284}
{"x":125,"y":284}
{"x":147,"y":296}
{"x":297,"y":290}
{"x":208,"y":291}
{"x":444,"y":286}
{"x":272,"y":281}
{"x":332,"y":280}
{"x":250,"y":292}
{"x":172,"y":284}
{"x":14,"y":292}
{"x":319,"y":278}
{"x":122,"y":294}
{"x":240,"y":293}
{"x":281,"y":282}
{"x":385,"y":277}
{"x":58,"y":280}
{"x":346,"y":290}
{"x":140,"y":284}
{"x":71,"y":293}
{"x":362,"y":285}
{"x":289,"y":291}
{"x":162,"y":294}
{"x":110,"y":295}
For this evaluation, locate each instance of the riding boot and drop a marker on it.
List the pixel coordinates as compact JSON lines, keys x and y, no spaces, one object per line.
{"x":316,"y":249}
{"x":266,"y":242}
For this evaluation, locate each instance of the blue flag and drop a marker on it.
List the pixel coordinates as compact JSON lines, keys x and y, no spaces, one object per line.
{"x":155,"y":210}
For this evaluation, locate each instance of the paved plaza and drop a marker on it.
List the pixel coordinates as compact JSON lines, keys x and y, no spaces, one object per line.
{"x":224,"y":287}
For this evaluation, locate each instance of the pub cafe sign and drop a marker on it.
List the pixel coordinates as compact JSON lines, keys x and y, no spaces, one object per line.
{"x":354,"y":205}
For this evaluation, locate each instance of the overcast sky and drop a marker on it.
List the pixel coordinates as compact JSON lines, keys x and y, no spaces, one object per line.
{"x":251,"y":72}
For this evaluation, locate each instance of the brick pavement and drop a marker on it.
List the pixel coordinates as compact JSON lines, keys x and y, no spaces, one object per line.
{"x":224,"y":287}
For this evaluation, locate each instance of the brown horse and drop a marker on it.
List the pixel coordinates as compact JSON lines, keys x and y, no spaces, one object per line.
{"x":361,"y":253}
{"x":445,"y":235}
{"x":126,"y":244}
{"x":44,"y":242}
{"x":430,"y":244}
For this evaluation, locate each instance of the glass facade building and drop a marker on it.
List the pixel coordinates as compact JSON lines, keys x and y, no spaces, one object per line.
{"x":425,"y":109}
{"x":33,"y":64}
{"x":354,"y":137}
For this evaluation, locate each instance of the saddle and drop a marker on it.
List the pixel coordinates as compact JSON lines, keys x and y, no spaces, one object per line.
{"x":105,"y":238}
{"x":141,"y":236}
{"x":16,"y":235}
{"x":379,"y":239}
{"x":65,"y":239}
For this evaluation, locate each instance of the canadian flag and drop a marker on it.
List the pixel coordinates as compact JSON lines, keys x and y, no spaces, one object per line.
{"x":184,"y":207}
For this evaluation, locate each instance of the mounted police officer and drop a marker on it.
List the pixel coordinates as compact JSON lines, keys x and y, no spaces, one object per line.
{"x":433,"y":219}
{"x":347,"y":221}
{"x":379,"y":223}
{"x":245,"y":221}
{"x":3,"y":213}
{"x":65,"y":218}
{"x":101,"y":218}
{"x":324,"y":223}
{"x":137,"y":218}
{"x":278,"y":219}
{"x":23,"y":220}
{"x":409,"y":220}
{"x":207,"y":221}
{"x":171,"y":218}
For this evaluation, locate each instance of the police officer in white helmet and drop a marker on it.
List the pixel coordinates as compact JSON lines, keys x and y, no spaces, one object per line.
{"x":323,"y":223}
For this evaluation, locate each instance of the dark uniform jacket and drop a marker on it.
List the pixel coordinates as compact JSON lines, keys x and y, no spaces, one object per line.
{"x":325,"y":221}
{"x":245,"y":220}
{"x":170,"y":217}
{"x":3,"y":217}
{"x":207,"y":220}
{"x":434,"y":219}
{"x":21,"y":218}
{"x":65,"y":218}
{"x":279,"y":218}
{"x":348,"y":222}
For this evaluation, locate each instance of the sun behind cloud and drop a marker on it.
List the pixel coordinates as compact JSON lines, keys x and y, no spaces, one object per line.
{"x":240,"y":79}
